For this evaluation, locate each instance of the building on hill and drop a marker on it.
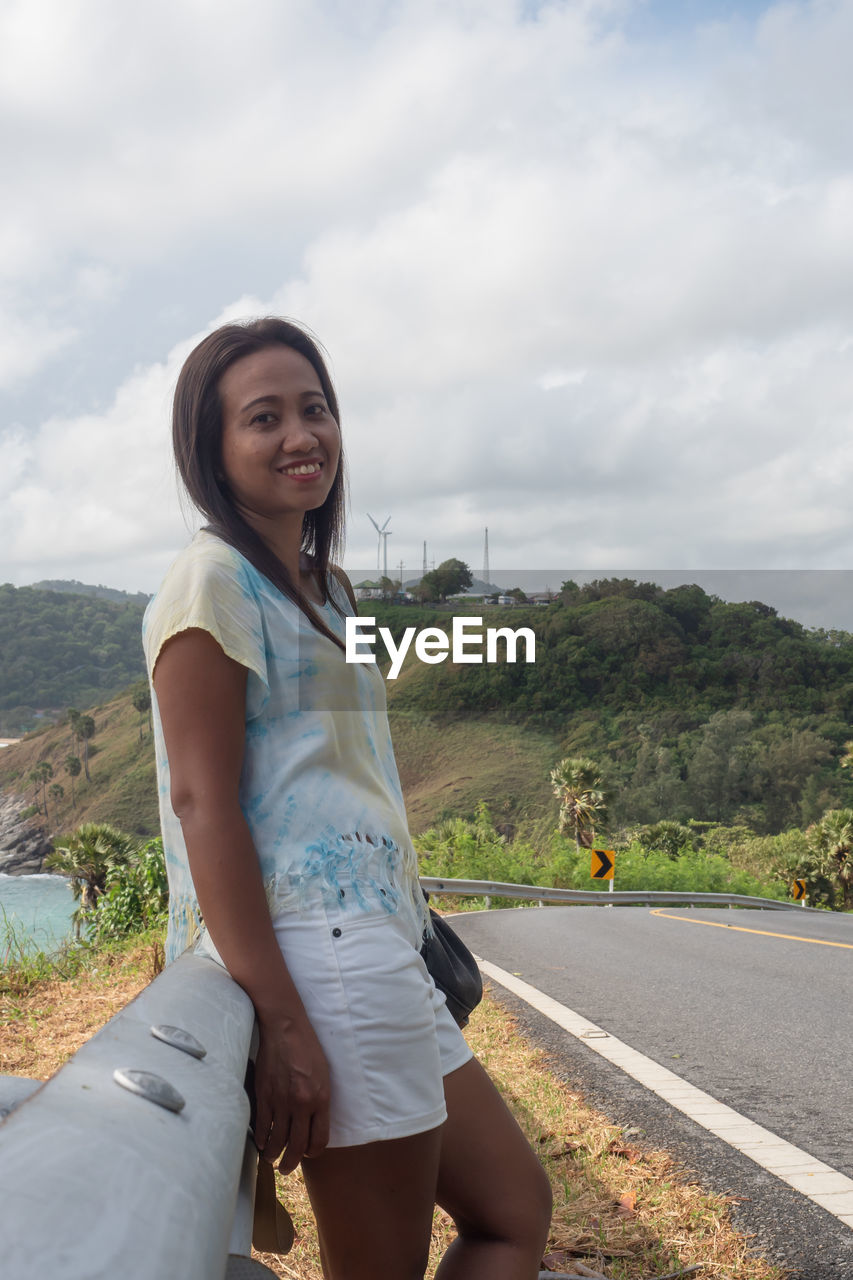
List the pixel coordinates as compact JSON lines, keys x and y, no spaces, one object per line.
{"x":367,"y":590}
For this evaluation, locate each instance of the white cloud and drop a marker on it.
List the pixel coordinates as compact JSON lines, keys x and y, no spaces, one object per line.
{"x":575,"y":287}
{"x":98,"y":488}
{"x":26,"y":343}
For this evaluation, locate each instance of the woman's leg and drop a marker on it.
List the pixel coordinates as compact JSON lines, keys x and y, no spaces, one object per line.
{"x":491,"y":1184}
{"x":374,"y":1206}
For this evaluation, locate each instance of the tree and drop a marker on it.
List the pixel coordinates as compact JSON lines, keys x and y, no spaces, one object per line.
{"x":831,"y":855}
{"x":578,"y":785}
{"x":73,"y":724}
{"x":73,"y":768}
{"x":450,"y":576}
{"x":141,"y":698}
{"x":656,"y":790}
{"x":426,"y":590}
{"x":786,"y":762}
{"x":86,"y":731}
{"x":56,"y":791}
{"x":39,"y":777}
{"x":665,"y":837}
{"x":88,"y":856}
{"x":136,"y":896}
{"x":722,"y":773}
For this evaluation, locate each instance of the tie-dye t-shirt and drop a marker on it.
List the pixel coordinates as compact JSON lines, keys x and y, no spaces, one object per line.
{"x":319,"y":787}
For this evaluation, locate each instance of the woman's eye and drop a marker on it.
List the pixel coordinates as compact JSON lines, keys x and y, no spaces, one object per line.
{"x":262,"y":419}
{"x":316,"y":410}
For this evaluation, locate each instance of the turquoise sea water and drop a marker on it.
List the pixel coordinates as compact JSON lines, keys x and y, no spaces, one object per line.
{"x":36,"y":907}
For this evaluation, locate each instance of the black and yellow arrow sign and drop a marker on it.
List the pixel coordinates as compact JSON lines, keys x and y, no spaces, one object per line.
{"x":799,"y":890}
{"x":603,"y":864}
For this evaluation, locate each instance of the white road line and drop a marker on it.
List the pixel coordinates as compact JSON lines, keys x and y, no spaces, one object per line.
{"x":821,"y":1183}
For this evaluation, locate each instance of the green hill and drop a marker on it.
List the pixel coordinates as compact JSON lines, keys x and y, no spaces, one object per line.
{"x":694,"y":709}
{"x":445,"y":771}
{"x":123,"y":787}
{"x":61,"y":649}
{"x":70,"y":586}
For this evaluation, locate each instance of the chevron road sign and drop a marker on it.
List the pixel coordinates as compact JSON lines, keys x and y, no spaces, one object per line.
{"x":603,"y":863}
{"x":798,"y":889}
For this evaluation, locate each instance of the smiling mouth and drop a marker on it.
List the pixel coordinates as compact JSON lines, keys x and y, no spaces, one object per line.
{"x":302,"y":469}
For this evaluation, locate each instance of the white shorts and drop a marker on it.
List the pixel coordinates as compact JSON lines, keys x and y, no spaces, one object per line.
{"x":385,"y":1030}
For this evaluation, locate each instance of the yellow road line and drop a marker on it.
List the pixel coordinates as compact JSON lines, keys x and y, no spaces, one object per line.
{"x":714,"y":924}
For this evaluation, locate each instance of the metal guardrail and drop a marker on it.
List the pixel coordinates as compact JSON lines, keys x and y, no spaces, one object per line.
{"x":489,"y":889}
{"x":98,"y":1182}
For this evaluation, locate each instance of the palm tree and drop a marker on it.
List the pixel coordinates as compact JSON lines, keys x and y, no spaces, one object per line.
{"x":88,"y":856}
{"x":73,"y":768}
{"x":140,"y":696}
{"x":56,"y":791}
{"x":85,"y":730}
{"x":579,"y":787}
{"x":831,"y":846}
{"x":39,"y":777}
{"x":73,"y":725}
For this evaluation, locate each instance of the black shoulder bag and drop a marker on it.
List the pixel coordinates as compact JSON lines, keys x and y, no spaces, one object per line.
{"x":452,"y":967}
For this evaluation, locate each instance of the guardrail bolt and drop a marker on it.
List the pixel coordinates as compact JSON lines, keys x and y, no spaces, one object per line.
{"x":150,"y":1086}
{"x":179,"y":1039}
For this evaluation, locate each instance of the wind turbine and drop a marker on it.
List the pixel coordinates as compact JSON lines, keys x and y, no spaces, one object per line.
{"x":383,"y":535}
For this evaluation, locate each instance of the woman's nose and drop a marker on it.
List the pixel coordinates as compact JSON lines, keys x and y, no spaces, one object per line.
{"x":298,"y":436}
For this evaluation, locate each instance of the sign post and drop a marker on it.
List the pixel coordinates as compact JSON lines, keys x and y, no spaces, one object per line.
{"x":603,"y":867}
{"x":798,"y":890}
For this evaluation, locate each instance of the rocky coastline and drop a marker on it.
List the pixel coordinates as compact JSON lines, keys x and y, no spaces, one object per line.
{"x":23,"y":845}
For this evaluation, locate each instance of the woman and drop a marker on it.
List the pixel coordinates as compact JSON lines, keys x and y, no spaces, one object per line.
{"x":288,"y":853}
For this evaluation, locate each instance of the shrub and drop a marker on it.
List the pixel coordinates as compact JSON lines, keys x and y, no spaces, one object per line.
{"x":465,"y":849}
{"x":637,"y":868}
{"x":136,"y":897}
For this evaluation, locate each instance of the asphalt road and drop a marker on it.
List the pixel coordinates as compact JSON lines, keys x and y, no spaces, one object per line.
{"x":760,"y":1022}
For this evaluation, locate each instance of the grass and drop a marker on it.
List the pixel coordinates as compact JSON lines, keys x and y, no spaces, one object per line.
{"x":24,"y":965}
{"x":446,"y":769}
{"x":51,"y":1004}
{"x":621,"y":1209}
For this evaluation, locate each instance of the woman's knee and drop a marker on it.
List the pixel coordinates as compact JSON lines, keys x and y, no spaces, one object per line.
{"x":542,"y":1205}
{"x":490,"y":1180}
{"x":520,"y":1218}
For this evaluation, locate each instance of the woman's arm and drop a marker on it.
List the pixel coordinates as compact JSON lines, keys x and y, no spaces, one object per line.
{"x":201,"y":696}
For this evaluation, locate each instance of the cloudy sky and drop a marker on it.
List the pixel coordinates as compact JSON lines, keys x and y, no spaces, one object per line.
{"x":584,"y":269}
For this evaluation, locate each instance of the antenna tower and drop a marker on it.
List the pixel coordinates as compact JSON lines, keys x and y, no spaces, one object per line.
{"x":486,"y":557}
{"x":425,"y":564}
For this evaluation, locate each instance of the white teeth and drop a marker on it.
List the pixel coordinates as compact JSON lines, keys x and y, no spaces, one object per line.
{"x":307,"y":469}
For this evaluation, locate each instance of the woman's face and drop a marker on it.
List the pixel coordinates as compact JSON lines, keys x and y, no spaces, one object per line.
{"x":280,"y":443}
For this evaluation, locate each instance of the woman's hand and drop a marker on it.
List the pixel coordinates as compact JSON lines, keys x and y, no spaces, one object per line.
{"x":291,"y":1092}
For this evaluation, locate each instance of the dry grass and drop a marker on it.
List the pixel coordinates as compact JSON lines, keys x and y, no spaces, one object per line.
{"x":621,"y":1210}
{"x":40,"y":1028}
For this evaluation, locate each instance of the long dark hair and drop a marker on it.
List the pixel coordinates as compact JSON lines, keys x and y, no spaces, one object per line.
{"x":197,"y":441}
